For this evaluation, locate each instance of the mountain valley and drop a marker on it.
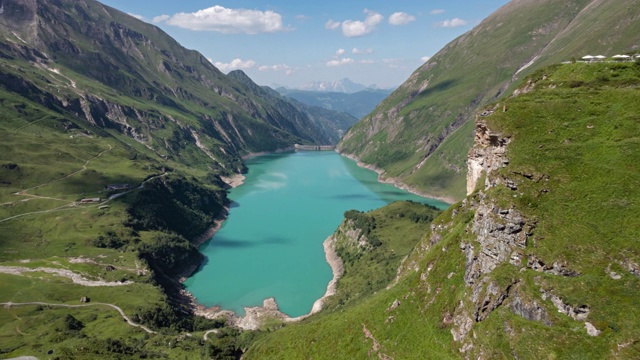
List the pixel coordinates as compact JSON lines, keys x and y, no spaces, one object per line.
{"x":119,"y":143}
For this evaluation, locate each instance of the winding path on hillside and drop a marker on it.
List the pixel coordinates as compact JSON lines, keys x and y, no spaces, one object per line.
{"x":68,"y":206}
{"x":71,"y":205}
{"x":117,"y":308}
{"x":206,"y":334}
{"x":84,"y":167}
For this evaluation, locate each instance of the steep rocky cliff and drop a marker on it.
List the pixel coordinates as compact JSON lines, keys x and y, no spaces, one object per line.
{"x":512,"y":259}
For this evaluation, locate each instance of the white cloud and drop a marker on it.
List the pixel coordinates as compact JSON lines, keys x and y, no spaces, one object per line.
{"x":437,"y":11}
{"x":277,"y":68}
{"x":332,"y":25}
{"x":356,"y":28}
{"x":235,"y":64}
{"x":455,"y":22}
{"x":425,"y":58}
{"x":339,"y":62}
{"x":340,"y":52}
{"x":357,"y":51}
{"x":160,"y":18}
{"x":227,"y":21}
{"x":401,"y":18}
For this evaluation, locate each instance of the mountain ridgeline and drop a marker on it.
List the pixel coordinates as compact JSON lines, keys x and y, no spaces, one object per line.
{"x":422,"y":132}
{"x":329,"y":125}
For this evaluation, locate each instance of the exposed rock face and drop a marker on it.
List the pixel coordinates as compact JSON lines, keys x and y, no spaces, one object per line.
{"x":463,"y":323}
{"x":354,"y":237}
{"x":488,"y":154}
{"x":501,"y":237}
{"x":579,"y":313}
{"x":591,"y":330}
{"x":530,"y":310}
{"x":494,"y":297}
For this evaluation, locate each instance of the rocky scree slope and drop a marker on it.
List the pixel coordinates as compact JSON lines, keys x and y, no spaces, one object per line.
{"x":539,"y":261}
{"x":422,"y":132}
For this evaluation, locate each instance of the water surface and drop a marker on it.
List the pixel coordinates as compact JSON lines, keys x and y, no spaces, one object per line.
{"x":271,"y":243}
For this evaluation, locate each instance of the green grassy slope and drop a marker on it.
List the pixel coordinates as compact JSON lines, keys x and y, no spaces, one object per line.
{"x":87,"y":60}
{"x":405,"y":133}
{"x":573,"y":156}
{"x":49,"y":163}
{"x":370,"y":259}
{"x":92,"y":97}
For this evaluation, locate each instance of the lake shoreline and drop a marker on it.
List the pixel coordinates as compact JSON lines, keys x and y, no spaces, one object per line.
{"x":232,"y":181}
{"x":397,"y":182}
{"x":255,"y":315}
{"x":203,"y":238}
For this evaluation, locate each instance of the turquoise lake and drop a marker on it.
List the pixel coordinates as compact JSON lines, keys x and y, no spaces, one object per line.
{"x":271,"y":243}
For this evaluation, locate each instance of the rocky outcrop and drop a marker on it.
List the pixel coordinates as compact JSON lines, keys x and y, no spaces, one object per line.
{"x":494,"y":296}
{"x":350,"y":237}
{"x":501,"y":236}
{"x":579,"y":313}
{"x":529,"y":309}
{"x":488,"y":154}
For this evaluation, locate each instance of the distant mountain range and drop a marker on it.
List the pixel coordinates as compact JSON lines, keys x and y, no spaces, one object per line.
{"x":358,"y":104}
{"x":344,"y":86}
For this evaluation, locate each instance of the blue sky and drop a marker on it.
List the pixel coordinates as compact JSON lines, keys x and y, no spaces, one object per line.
{"x":292,"y":43}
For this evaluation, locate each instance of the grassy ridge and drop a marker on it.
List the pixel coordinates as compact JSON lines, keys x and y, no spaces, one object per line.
{"x":91,"y":96}
{"x":583,"y":132}
{"x":386,"y":237}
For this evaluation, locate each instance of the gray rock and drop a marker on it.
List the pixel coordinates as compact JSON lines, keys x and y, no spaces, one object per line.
{"x":591,"y":330}
{"x":529,"y":310}
{"x":393,"y":306}
{"x":579,"y":313}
